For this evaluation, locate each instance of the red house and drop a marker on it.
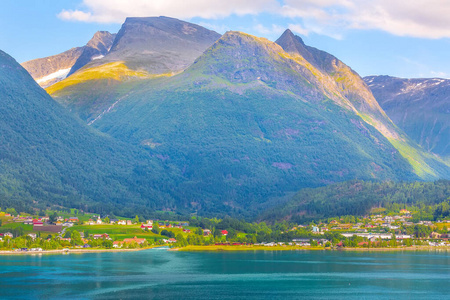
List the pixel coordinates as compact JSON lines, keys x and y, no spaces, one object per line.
{"x":148,"y":226}
{"x":224,"y":232}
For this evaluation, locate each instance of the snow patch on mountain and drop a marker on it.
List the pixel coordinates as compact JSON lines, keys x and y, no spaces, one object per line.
{"x":60,"y":74}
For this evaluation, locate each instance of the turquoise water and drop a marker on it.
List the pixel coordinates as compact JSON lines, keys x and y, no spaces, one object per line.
{"x":160,"y":274}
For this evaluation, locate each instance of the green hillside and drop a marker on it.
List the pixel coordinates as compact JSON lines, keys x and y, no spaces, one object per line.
{"x":49,"y":157}
{"x":357,"y":198}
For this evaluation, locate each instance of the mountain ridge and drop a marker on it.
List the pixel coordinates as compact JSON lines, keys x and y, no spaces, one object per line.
{"x":52,"y":69}
{"x":420,"y":106}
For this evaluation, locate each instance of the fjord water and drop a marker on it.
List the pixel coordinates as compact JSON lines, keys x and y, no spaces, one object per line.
{"x":161,"y":274}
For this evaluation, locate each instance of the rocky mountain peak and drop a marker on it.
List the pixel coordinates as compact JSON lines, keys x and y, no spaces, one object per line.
{"x":160,"y":44}
{"x":102,"y":41}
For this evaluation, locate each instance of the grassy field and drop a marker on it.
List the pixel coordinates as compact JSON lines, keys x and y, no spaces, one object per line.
{"x":120,"y":232}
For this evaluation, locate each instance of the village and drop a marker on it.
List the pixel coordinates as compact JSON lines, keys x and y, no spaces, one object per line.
{"x":26,"y":233}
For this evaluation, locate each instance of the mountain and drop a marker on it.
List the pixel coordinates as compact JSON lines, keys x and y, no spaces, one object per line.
{"x":353,"y":87}
{"x":249,"y":122}
{"x":144,"y":48}
{"x":95,"y":49}
{"x":49,"y":157}
{"x":348,"y":82}
{"x":49,"y":70}
{"x":420,"y":107}
{"x":159,"y":45}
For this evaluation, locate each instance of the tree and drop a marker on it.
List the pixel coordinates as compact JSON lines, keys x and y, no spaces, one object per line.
{"x":232,"y":234}
{"x":181,"y":241}
{"x":76,"y":238}
{"x":11,"y":211}
{"x":155,"y":229}
{"x":107,"y":244}
{"x":53,"y":217}
{"x":136,"y":219}
{"x":167,"y":233}
{"x":107,"y":221}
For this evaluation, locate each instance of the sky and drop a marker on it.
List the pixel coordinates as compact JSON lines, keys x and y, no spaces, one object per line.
{"x":374,"y":37}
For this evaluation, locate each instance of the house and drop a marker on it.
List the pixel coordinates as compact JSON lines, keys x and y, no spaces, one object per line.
{"x":186,"y":230}
{"x":86,"y":246}
{"x":129,"y":222}
{"x":148,"y":226}
{"x":8,"y":234}
{"x":73,"y":219}
{"x":101,"y":236}
{"x":32,"y":235}
{"x":206,"y":232}
{"x":59,"y":218}
{"x":315,"y":229}
{"x":99,"y":221}
{"x":118,"y":244}
{"x":150,"y":222}
{"x":113,"y":221}
{"x":135,"y":239}
{"x":67,"y":224}
{"x":171,"y":240}
{"x":122,"y":222}
{"x":38,"y":224}
{"x":28,"y":222}
{"x":224,"y":232}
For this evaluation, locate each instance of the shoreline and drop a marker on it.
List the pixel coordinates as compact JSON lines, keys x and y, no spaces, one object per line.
{"x":75,"y":251}
{"x":221,"y":248}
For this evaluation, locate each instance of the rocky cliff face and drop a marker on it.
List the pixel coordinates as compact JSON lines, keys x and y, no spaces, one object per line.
{"x":421,"y":107}
{"x":342,"y":78}
{"x":49,"y":70}
{"x":95,"y":49}
{"x":159,"y":44}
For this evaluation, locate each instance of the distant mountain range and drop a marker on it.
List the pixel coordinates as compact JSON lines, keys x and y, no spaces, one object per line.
{"x":420,"y":107}
{"x":230,"y":124}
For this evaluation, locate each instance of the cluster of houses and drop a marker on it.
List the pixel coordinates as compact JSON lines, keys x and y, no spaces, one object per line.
{"x":44,"y":221}
{"x":368,"y":229}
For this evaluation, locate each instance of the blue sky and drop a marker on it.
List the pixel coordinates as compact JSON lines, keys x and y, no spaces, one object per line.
{"x":371,"y":36}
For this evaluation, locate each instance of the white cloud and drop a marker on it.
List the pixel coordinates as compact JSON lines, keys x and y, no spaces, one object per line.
{"x":299,"y":29}
{"x":115,"y":11}
{"x":275,"y":29}
{"x":416,"y":18}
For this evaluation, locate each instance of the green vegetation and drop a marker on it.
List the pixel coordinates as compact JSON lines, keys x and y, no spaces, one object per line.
{"x":359,"y":198}
{"x":48,"y":157}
